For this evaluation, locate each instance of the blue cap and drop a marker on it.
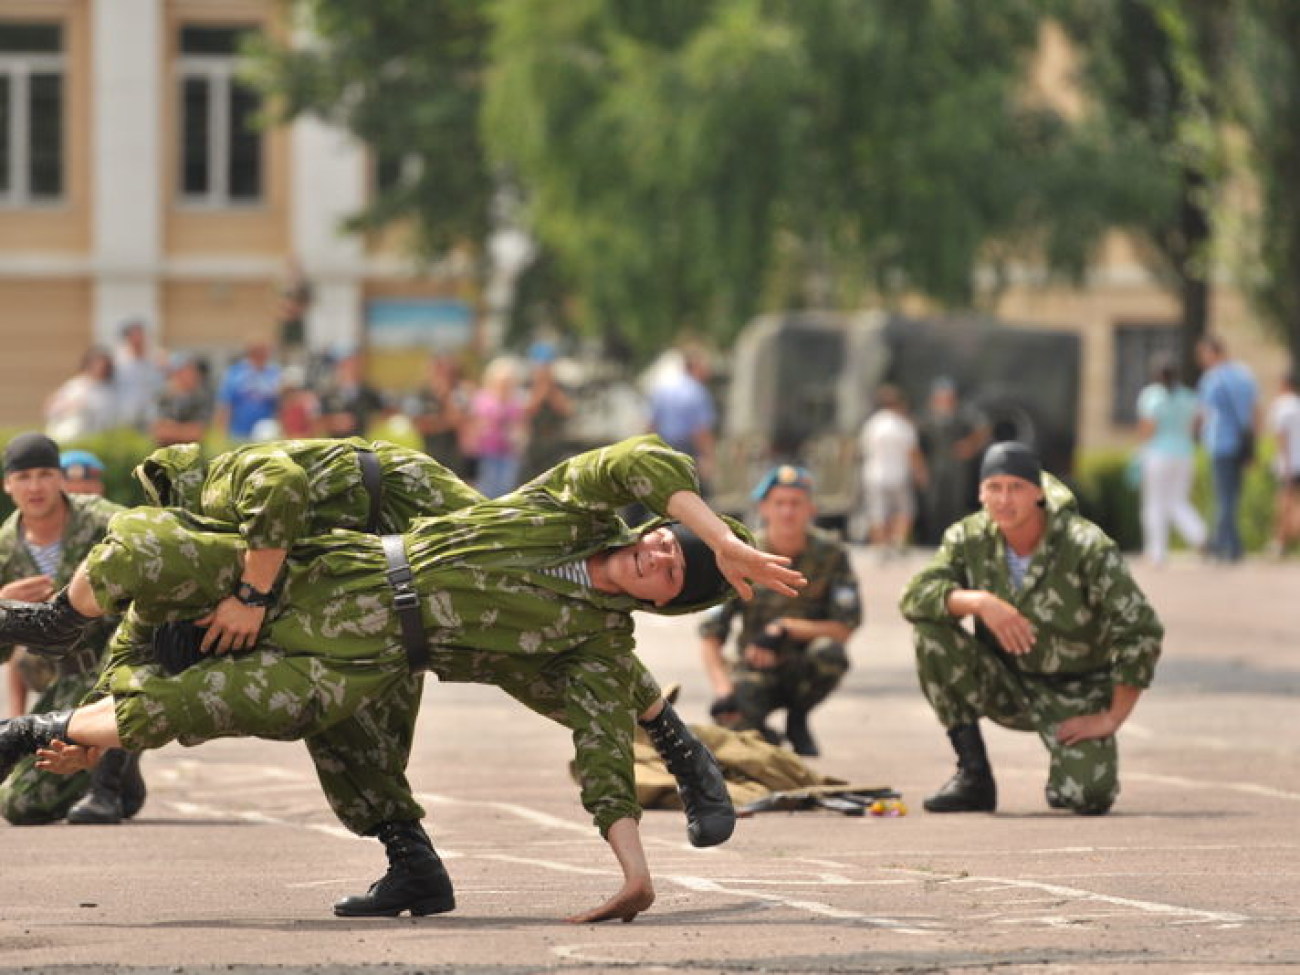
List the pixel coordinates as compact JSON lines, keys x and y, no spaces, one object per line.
{"x":80,"y":458}
{"x":783,"y":475}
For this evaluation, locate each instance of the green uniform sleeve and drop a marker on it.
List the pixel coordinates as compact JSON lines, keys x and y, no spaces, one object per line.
{"x":1129,"y":626}
{"x":270,"y":495}
{"x":641,"y":469}
{"x":844,"y":599}
{"x":925,"y":598}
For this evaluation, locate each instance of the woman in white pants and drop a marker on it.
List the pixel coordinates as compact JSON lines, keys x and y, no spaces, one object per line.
{"x":1167,"y":417}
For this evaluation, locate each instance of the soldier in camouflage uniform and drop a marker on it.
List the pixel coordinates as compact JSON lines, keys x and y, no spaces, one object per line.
{"x":792,"y":650}
{"x":533,"y":592}
{"x":1064,"y":641}
{"x":59,"y":529}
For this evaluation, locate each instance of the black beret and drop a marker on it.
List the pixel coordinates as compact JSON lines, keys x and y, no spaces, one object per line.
{"x":29,"y":451}
{"x":703,"y":581}
{"x":1012,"y":458}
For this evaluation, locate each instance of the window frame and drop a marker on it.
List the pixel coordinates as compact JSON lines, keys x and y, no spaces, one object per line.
{"x":220,"y":73}
{"x":19,"y":67}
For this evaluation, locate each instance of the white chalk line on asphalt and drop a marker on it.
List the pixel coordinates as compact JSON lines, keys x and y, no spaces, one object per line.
{"x":1189,"y":915}
{"x":1246,"y":788}
{"x":745,"y":889}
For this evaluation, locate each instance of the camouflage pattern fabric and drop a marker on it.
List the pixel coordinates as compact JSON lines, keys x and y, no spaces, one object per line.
{"x":29,"y":796}
{"x":331,"y":644}
{"x":280,"y":491}
{"x":1093,"y":629}
{"x":806,"y":673}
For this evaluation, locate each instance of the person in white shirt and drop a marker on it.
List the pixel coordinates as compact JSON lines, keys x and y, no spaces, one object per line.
{"x":137,"y":376}
{"x":892,"y":467}
{"x":1284,"y":425}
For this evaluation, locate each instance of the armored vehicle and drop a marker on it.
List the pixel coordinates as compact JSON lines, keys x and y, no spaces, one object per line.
{"x":803,"y":384}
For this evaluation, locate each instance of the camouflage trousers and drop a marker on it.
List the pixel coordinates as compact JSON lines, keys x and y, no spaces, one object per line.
{"x":802,"y":679}
{"x":965,"y":679}
{"x":30,"y":797}
{"x":328,"y":667}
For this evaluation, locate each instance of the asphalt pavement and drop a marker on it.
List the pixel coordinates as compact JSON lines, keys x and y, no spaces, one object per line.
{"x":235,"y":859}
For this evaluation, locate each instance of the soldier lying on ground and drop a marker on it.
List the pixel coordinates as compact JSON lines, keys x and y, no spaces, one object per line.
{"x":533,"y":592}
{"x":1064,"y":640}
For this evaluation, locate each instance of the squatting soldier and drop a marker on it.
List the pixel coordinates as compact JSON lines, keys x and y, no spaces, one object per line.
{"x":792,"y":650}
{"x":41,"y":544}
{"x":1064,"y":640}
{"x":532,"y":592}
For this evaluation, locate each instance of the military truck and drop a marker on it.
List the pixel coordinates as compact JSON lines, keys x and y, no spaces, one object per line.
{"x":803,"y":383}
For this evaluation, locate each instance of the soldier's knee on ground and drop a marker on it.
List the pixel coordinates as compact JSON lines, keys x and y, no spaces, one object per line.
{"x":830,"y":658}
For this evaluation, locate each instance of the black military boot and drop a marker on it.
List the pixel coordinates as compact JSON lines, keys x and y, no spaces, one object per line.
{"x":133,"y":789}
{"x":46,"y":629}
{"x":798,"y":734}
{"x":710,"y":816}
{"x":102,"y":804}
{"x":972,"y":789}
{"x":177,"y":646}
{"x":21,"y":736}
{"x":416,"y":880}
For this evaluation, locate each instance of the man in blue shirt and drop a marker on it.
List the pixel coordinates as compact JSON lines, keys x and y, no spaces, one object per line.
{"x":682,"y":412}
{"x":1228,"y":396}
{"x":249,"y":393}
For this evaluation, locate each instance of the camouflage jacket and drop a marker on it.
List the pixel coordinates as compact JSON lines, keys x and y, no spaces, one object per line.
{"x":87,"y":521}
{"x":831,"y":594}
{"x":491,"y":615}
{"x":1087,"y":611}
{"x":280,"y":491}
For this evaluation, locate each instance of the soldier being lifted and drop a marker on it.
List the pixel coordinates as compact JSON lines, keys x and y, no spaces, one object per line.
{"x":1064,"y":640}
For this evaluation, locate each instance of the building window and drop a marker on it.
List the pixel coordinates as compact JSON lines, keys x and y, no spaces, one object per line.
{"x":221,"y":148}
{"x":1137,"y":349}
{"x":31,"y":113}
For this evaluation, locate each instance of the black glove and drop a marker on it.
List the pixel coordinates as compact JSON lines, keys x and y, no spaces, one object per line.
{"x":176,"y":645}
{"x":769,"y":640}
{"x":724,"y":705}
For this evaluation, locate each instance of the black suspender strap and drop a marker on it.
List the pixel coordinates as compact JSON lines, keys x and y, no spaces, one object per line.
{"x":374,"y":485}
{"x":406,"y":602}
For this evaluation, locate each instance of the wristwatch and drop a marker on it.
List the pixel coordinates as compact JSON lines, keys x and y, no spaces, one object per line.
{"x":249,"y":596}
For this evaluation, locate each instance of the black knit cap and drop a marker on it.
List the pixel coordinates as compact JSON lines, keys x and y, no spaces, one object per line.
{"x":1014,"y":459}
{"x":703,"y":581}
{"x":29,"y":451}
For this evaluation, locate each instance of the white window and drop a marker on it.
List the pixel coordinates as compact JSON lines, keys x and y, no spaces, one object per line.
{"x":221,"y":148}
{"x":31,"y":113}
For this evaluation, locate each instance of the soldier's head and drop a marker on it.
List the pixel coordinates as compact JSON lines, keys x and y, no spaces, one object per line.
{"x":33,"y":477}
{"x":1011,"y":486}
{"x":667,"y":566}
{"x":785,"y":500}
{"x":83,"y":472}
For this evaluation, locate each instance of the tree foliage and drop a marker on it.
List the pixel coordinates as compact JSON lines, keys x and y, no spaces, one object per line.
{"x":689,"y":161}
{"x":406,"y":78}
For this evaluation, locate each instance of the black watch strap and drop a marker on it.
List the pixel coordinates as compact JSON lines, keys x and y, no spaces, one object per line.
{"x":249,"y":596}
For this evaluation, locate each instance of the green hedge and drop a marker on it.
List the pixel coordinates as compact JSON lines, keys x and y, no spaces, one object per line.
{"x":1108,"y":494}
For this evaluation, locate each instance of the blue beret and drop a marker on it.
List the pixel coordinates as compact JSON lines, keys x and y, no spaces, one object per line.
{"x":80,"y":458}
{"x":783,"y":475}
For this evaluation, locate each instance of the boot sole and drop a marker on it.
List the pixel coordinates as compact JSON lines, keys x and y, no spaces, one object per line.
{"x":420,"y":908}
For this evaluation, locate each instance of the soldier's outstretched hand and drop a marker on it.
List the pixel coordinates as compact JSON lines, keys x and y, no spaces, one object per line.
{"x":745,"y":567}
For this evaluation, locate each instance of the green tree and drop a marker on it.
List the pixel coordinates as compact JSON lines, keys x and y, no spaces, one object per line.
{"x":1270,"y":34}
{"x":406,"y":78}
{"x":1155,"y":70}
{"x":688,"y":162}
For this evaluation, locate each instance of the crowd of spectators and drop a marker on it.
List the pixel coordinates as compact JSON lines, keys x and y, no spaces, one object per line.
{"x":496,"y":429}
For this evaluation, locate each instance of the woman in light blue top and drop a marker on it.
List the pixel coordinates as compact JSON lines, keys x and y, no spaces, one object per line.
{"x":1167,"y":419}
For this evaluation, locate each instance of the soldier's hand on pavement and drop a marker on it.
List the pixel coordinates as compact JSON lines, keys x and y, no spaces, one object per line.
{"x":1085,"y":727}
{"x":1013,"y":631}
{"x":232,"y":626}
{"x":760,"y":658}
{"x":635,"y":897}
{"x":743,"y":565}
{"x":29,"y":589}
{"x":62,"y":758}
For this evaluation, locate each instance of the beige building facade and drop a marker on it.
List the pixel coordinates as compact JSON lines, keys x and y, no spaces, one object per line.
{"x":131,"y":186}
